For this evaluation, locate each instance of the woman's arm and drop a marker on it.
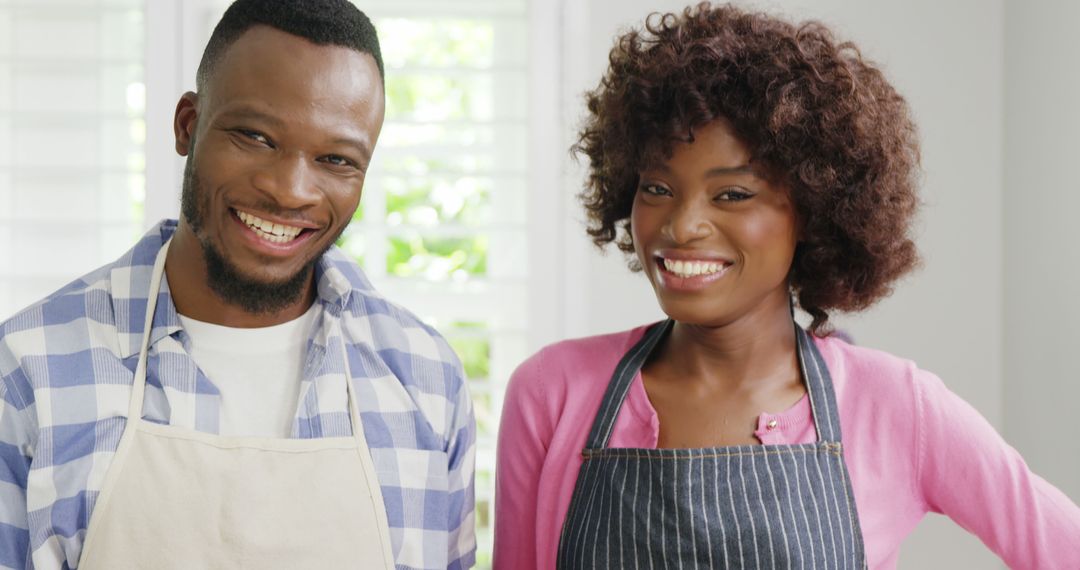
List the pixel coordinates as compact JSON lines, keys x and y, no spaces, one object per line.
{"x":525,"y":431}
{"x":968,"y":472}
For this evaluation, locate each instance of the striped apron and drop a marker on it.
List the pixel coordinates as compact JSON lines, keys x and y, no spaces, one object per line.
{"x":746,"y":506}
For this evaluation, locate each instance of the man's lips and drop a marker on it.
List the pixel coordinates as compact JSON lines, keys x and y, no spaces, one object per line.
{"x":272,"y":234}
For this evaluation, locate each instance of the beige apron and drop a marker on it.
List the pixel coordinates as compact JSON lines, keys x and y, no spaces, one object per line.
{"x":175,"y":498}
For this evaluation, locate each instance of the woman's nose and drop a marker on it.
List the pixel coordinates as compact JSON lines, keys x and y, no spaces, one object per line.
{"x":688,"y":223}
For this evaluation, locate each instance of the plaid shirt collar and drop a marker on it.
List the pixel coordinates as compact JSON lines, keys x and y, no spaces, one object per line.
{"x":336,"y":277}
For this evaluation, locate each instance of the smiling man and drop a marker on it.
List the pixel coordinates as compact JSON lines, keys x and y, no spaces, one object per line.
{"x":232,"y":392}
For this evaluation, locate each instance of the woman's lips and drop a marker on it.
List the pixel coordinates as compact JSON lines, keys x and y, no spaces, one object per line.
{"x":686,"y":273}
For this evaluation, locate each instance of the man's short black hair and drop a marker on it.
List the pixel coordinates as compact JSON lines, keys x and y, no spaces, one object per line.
{"x":323,"y":22}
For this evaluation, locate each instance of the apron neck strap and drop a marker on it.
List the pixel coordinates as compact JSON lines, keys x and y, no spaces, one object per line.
{"x":819,"y":386}
{"x":139,"y":386}
{"x":350,"y":390}
{"x":812,"y":365}
{"x":620,"y":383}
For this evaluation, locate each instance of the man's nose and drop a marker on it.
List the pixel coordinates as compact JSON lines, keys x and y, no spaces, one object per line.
{"x":288,"y":180}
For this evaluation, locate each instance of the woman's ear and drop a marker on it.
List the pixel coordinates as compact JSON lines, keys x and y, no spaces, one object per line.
{"x":185,"y":120}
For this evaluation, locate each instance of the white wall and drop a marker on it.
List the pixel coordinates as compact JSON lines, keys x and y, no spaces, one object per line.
{"x":947,"y":59}
{"x":1042,"y":247}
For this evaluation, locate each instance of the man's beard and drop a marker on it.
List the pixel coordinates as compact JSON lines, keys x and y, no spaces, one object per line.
{"x":225,"y":280}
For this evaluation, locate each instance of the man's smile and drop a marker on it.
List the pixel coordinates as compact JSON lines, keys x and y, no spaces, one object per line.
{"x":272,"y":236}
{"x":268,"y":230}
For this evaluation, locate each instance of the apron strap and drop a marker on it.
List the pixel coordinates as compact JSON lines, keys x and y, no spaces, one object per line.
{"x":350,"y":391}
{"x":620,"y":383}
{"x":819,"y":386}
{"x":138,"y":388}
{"x":815,"y":373}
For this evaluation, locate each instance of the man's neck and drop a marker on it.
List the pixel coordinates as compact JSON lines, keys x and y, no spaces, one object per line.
{"x":187,"y":274}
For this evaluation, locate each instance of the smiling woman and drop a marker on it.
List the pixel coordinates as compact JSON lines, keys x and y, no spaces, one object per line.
{"x":707,"y":206}
{"x":754,"y":166}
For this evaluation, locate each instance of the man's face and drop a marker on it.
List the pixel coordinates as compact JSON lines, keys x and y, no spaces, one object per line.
{"x":278,"y":143}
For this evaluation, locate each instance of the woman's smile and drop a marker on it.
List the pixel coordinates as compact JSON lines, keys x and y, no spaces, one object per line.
{"x":715,"y":237}
{"x":689,"y":271}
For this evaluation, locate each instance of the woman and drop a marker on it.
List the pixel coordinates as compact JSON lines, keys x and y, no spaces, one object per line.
{"x":753,"y":165}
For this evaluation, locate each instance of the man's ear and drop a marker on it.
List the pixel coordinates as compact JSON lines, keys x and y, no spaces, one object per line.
{"x":185,"y":120}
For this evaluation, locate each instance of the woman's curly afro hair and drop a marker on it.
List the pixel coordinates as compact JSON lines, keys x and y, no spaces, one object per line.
{"x":815,"y":115}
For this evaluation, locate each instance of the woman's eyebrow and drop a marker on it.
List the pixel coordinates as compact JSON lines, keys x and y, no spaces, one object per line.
{"x":729,"y":170}
{"x":715,"y":171}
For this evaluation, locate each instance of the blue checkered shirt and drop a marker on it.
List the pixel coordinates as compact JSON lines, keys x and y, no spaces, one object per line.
{"x":67,"y":365}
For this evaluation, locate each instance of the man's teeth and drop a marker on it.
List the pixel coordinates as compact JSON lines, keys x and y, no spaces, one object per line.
{"x":692,"y":268}
{"x":269,"y":231}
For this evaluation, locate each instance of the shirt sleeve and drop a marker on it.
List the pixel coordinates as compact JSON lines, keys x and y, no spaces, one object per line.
{"x":461,"y":452}
{"x":524,"y":434}
{"x":16,"y":445}
{"x":968,"y":472}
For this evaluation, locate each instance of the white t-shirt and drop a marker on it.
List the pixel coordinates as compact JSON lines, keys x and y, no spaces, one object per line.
{"x":258,"y":372}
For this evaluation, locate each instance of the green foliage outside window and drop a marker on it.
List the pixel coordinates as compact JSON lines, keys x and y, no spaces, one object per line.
{"x":473,"y":350}
{"x":428,"y":200}
{"x":437,"y":259}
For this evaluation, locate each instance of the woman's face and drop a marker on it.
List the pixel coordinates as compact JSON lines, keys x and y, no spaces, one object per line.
{"x":715,"y":238}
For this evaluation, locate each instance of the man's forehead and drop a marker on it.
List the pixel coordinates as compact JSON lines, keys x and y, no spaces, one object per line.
{"x":267,"y":50}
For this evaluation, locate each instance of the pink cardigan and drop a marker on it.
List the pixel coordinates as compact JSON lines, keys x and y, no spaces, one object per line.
{"x":911,"y":446}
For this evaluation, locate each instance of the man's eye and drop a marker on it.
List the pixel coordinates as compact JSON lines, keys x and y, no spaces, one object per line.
{"x":255,"y":136}
{"x":337,"y":160}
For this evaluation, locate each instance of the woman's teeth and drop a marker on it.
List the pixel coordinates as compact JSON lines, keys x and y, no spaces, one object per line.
{"x":691,"y":268}
{"x":269,"y":231}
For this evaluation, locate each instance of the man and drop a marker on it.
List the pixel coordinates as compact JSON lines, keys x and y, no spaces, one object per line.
{"x":232,"y":392}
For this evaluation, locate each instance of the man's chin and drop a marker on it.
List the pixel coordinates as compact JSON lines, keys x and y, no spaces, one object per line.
{"x":256,"y":295}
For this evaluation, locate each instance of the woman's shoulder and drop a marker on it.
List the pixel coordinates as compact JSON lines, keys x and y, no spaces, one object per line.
{"x":575,"y":363}
{"x":609,"y":346}
{"x":871,"y":372}
{"x":849,"y":356}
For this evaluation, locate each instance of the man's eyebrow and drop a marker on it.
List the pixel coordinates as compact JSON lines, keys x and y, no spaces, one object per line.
{"x":252,"y":114}
{"x":358,"y":144}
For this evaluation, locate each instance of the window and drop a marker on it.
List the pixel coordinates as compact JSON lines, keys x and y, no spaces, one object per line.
{"x":71,"y":141}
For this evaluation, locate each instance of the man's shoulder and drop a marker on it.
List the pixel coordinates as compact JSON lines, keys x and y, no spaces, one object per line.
{"x":66,"y":339}
{"x":82,"y":315}
{"x":400,"y":338}
{"x":385,"y":323}
{"x":64,"y":310}
{"x":394,"y":331}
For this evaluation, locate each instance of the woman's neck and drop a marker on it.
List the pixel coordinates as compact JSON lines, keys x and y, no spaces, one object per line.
{"x":756,"y":351}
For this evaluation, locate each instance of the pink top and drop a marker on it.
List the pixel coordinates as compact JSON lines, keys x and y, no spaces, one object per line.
{"x":911,"y":447}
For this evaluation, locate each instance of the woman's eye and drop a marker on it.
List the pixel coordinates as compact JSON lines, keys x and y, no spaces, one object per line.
{"x":654,"y":190}
{"x":734,"y":195}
